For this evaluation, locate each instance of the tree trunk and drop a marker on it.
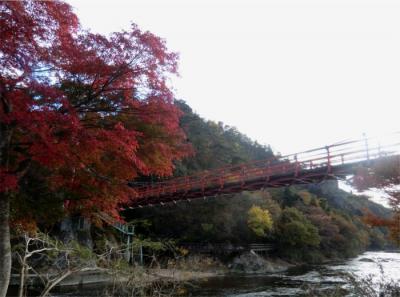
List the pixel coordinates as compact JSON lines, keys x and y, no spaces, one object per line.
{"x":22,"y":278}
{"x":5,"y":246}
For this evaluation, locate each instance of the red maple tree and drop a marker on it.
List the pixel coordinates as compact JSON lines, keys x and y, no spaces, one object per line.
{"x":92,"y":111}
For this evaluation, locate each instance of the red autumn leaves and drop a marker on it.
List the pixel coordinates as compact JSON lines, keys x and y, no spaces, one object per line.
{"x":93,"y":111}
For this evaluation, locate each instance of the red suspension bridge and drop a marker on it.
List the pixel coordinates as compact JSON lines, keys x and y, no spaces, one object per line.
{"x":333,"y":161}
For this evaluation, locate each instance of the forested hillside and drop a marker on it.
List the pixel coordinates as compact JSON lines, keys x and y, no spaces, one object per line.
{"x":309,"y":223}
{"x":215,"y":144}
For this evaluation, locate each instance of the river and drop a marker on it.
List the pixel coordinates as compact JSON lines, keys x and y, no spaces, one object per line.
{"x":296,"y":281}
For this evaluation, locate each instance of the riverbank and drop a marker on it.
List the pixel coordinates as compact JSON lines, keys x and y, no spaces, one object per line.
{"x":297,"y":281}
{"x":103,"y":282}
{"x":140,"y":275}
{"x":176,"y":272}
{"x":212,"y":279}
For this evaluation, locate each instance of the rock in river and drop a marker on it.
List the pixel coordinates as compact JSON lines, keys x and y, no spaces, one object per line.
{"x":251,"y":262}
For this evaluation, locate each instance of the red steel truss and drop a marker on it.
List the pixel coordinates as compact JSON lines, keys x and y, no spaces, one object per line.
{"x":332,"y":161}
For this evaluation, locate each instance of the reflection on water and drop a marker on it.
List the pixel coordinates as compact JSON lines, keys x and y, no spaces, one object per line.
{"x":294,"y":281}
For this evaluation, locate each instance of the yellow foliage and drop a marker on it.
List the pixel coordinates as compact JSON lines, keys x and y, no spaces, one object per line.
{"x":259,"y":220}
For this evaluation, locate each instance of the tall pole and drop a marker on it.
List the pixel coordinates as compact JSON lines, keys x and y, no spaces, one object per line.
{"x":329,"y":158}
{"x":366,"y":145}
{"x":141,"y":254}
{"x":128,"y":249}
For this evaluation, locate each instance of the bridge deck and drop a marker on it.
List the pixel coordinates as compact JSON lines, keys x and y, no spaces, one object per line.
{"x":310,"y":166}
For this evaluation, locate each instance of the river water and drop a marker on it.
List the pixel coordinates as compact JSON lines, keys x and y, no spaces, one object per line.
{"x":297,"y":281}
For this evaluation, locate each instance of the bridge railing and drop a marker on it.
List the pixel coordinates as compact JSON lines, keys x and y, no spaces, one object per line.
{"x":328,"y":157}
{"x":127,"y":229}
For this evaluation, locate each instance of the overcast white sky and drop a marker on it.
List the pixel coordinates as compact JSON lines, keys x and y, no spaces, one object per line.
{"x":293,"y":74}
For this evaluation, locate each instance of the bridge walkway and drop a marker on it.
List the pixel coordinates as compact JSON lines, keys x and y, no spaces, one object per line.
{"x":312,"y":166}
